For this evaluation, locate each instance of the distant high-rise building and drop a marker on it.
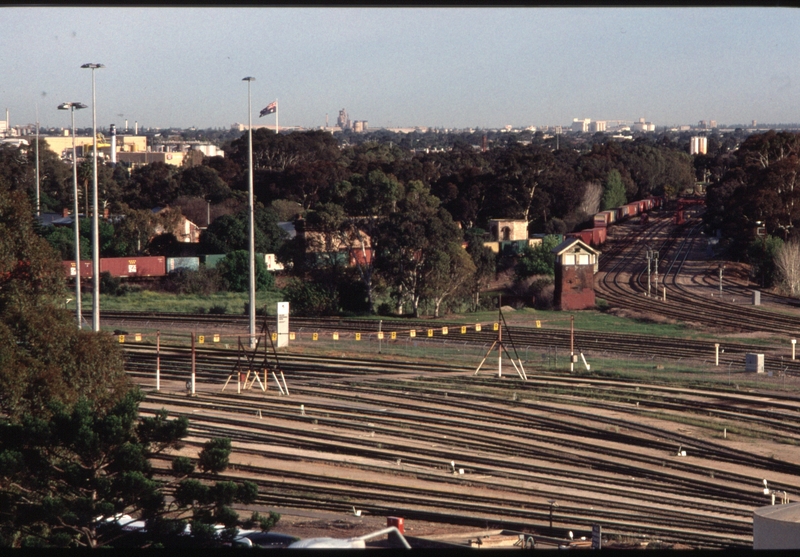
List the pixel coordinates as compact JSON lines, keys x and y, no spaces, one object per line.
{"x":698,"y":146}
{"x":713,"y":124}
{"x":598,"y":126}
{"x":343,"y":121}
{"x":580,"y":124}
{"x":755,"y":124}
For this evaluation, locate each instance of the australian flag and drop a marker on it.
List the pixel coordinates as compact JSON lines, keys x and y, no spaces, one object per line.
{"x":271,"y":107}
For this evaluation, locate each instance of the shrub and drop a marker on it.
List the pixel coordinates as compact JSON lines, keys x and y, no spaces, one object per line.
{"x":186,"y":281}
{"x":235,"y":272}
{"x":308,"y":298}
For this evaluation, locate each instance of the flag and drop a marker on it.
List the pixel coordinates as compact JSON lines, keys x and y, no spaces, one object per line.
{"x":271,"y":107}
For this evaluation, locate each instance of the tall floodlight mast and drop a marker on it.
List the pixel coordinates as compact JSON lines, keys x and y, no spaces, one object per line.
{"x":95,"y":218}
{"x":72,"y":107}
{"x":251,"y":216}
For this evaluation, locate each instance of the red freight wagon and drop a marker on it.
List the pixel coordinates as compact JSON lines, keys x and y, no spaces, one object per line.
{"x":598,"y":236}
{"x":71,"y":269}
{"x":584,"y":236}
{"x":129,"y":267}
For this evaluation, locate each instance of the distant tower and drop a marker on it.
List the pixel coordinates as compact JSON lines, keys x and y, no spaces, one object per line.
{"x":326,"y":120}
{"x":343,"y":121}
{"x":113,"y":144}
{"x":483,"y":143}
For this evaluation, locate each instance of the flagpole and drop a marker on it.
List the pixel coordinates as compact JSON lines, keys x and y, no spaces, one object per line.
{"x":277,"y":129}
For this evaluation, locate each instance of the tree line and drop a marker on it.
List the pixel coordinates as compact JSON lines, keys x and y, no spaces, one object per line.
{"x":411,"y":208}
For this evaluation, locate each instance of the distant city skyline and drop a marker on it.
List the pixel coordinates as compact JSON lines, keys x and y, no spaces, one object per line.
{"x":401,"y":67}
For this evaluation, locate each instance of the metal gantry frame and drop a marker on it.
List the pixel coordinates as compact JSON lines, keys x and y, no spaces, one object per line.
{"x":501,"y":347}
{"x":246,"y":366}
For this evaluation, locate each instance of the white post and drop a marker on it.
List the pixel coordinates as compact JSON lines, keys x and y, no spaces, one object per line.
{"x":158,"y":360}
{"x":716,"y":354}
{"x":251,"y":216}
{"x":95,"y":217}
{"x":38,"y":207}
{"x":794,"y":343}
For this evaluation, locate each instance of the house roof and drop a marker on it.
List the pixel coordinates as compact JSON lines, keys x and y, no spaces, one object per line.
{"x":571,"y":243}
{"x":289,"y":228}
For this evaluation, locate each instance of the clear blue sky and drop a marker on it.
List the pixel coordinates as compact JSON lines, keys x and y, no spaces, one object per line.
{"x":444,"y":67}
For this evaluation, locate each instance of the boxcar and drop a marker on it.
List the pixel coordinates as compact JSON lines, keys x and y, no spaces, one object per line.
{"x":190,"y":263}
{"x":134,"y":267}
{"x":598,"y":236}
{"x":273,"y":265}
{"x":604,"y":218}
{"x":212,"y":260}
{"x":71,"y":269}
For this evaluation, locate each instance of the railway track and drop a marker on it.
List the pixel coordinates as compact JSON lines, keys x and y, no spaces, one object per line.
{"x":545,"y":441}
{"x":621,"y":282}
{"x":381,"y":436}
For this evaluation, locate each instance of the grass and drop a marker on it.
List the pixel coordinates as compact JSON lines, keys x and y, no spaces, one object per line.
{"x":149,"y":300}
{"x":234,"y":304}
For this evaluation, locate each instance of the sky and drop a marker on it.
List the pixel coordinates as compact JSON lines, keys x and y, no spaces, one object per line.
{"x":400,"y":67}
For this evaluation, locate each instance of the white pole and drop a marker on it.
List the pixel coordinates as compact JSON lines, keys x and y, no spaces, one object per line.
{"x":277,"y":129}
{"x":158,"y":360}
{"x":716,"y":354}
{"x":38,"y":206}
{"x":95,"y":217}
{"x":794,"y":343}
{"x":77,"y":225}
{"x":251,"y":216}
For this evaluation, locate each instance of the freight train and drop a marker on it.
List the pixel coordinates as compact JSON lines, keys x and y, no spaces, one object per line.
{"x":597,"y":236}
{"x":152,"y":267}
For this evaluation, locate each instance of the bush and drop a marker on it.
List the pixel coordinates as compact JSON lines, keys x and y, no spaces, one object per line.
{"x":218,"y":309}
{"x":308,"y":298}
{"x":111,"y":286}
{"x":186,"y":281}
{"x":235,"y":272}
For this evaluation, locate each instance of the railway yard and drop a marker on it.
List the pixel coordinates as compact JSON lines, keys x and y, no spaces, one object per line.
{"x":671,"y":453}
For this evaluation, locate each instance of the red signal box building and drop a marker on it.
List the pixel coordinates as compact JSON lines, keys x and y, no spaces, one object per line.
{"x":576,"y":263}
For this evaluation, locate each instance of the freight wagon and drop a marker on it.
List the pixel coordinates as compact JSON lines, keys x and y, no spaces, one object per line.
{"x":121,"y":267}
{"x":188,"y":263}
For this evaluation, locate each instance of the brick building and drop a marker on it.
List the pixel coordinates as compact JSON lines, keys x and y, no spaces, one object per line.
{"x":574,"y":281}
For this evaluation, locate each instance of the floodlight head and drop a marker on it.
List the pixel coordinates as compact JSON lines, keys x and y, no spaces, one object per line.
{"x":72,"y":105}
{"x":248,"y":78}
{"x":93,"y":66}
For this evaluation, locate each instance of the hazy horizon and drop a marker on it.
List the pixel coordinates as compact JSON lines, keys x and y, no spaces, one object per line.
{"x":401,"y":67}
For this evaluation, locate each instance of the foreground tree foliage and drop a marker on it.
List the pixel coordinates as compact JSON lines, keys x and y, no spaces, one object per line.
{"x":43,"y":355}
{"x":66,"y":478}
{"x":73,"y":453}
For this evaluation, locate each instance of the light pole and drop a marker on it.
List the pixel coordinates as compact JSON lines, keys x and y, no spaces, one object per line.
{"x":72,"y":107}
{"x":251,"y":215}
{"x":38,"y":206}
{"x":95,"y":218}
